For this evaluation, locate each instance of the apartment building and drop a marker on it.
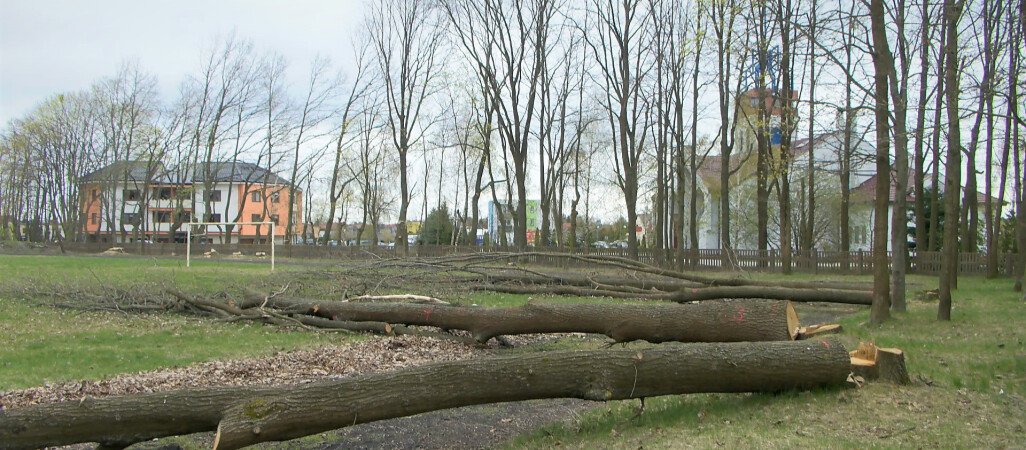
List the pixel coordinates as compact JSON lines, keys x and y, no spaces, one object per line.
{"x":132,"y":201}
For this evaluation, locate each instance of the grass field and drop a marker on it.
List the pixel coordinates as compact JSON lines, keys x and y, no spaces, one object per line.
{"x":968,"y":390}
{"x":44,"y":344}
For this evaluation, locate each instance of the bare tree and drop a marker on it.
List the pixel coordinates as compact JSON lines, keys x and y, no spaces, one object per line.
{"x":314,"y":110}
{"x":343,"y":139}
{"x":788,"y":122}
{"x":899,"y":75}
{"x":722,"y":15}
{"x":405,"y":38}
{"x":620,"y":45}
{"x":919,"y":158}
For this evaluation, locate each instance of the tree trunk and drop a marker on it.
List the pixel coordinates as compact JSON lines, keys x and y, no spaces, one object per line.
{"x":710,"y":293}
{"x":743,"y":320}
{"x":953,"y":169}
{"x":247,"y":415}
{"x":919,"y":159}
{"x":883,"y":64}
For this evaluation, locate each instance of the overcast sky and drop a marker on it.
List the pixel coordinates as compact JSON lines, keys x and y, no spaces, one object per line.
{"x":54,"y":46}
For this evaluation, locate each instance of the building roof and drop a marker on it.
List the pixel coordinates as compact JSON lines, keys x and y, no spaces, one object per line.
{"x":801,"y":145}
{"x":239,"y":172}
{"x":867,"y":190}
{"x":219,"y":172}
{"x":126,"y":170}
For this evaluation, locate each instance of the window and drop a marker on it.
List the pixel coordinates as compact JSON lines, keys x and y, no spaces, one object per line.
{"x":184,"y":216}
{"x":274,"y":218}
{"x":94,"y":218}
{"x":274,"y":197}
{"x":164,"y":193}
{"x":130,"y":195}
{"x":96,"y":194}
{"x":754,"y":101}
{"x":162,"y":216}
{"x":213,"y":217}
{"x":130,"y":218}
{"x":214,"y":196}
{"x":256,"y":218}
{"x":254,"y":196}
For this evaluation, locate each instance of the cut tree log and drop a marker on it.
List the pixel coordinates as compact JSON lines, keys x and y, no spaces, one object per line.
{"x":871,"y":363}
{"x":698,"y":294}
{"x":727,"y":321}
{"x":247,"y":415}
{"x":778,"y":293}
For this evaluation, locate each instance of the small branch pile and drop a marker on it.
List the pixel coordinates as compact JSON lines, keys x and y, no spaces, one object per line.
{"x":500,"y":272}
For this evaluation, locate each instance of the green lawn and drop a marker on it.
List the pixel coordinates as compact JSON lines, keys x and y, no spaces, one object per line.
{"x":968,"y":390}
{"x":45,"y":344}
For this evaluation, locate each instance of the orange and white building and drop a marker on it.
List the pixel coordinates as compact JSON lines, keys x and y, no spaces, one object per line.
{"x":134,"y":201}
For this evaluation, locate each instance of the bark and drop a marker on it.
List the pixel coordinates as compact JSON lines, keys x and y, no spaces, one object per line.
{"x":248,"y":415}
{"x":747,"y":320}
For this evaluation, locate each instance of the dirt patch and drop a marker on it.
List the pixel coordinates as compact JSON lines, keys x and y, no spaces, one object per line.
{"x":471,"y":427}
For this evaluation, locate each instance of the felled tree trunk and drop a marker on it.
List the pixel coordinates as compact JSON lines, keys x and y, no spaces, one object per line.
{"x":700,"y":294}
{"x":731,"y":321}
{"x":781,"y":293}
{"x":248,"y":415}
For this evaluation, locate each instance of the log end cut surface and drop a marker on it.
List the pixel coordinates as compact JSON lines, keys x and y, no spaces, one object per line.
{"x":792,"y":321}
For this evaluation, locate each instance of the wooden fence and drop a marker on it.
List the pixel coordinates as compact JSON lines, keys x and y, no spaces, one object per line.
{"x":826,"y":262}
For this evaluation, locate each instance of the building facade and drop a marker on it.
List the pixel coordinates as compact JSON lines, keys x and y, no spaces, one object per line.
{"x":133,"y":201}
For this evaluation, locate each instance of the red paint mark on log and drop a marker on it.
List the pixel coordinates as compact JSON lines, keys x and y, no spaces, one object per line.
{"x":427,"y":313}
{"x":694,"y":291}
{"x":825,"y":343}
{"x":740,"y":314}
{"x":774,"y":307}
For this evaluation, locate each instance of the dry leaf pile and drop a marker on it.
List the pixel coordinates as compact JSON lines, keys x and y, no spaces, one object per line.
{"x":291,"y":367}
